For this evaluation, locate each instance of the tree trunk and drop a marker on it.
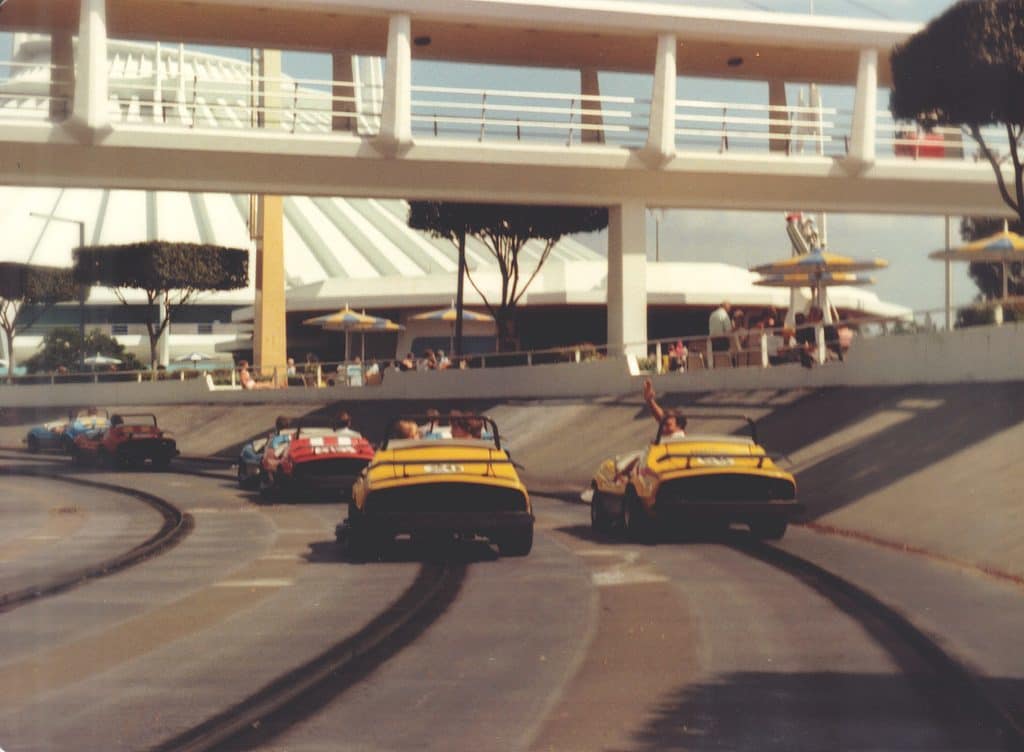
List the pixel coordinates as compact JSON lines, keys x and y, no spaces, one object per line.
{"x":459,"y":294}
{"x":505,"y":323}
{"x":9,"y":335}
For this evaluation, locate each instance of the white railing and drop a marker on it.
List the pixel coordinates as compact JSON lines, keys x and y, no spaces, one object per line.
{"x":26,"y":91}
{"x":737,"y":126}
{"x":570,"y":118}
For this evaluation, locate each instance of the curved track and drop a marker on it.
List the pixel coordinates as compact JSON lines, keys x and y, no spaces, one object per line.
{"x":176,"y":525}
{"x":255,"y":631}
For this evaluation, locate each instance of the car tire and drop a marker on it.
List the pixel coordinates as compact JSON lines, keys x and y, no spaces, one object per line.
{"x":519,"y":543}
{"x":634,"y":519}
{"x":77,"y":458}
{"x":599,"y":521}
{"x":769,"y":529}
{"x":103,"y":459}
{"x":161,"y":463}
{"x":33,"y":445}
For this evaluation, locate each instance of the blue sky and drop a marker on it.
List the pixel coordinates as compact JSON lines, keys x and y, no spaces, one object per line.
{"x":749,"y":238}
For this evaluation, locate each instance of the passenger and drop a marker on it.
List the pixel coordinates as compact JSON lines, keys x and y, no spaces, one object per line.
{"x":672,"y":423}
{"x":806,"y":343}
{"x":276,"y":442}
{"x":343,"y":426}
{"x":433,"y":429}
{"x":403,"y":429}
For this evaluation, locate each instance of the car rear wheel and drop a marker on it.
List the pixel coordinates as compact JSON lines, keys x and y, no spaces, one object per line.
{"x":33,"y":445}
{"x":519,"y":543}
{"x":769,"y":529}
{"x":634,"y":519}
{"x":599,"y":521}
{"x":161,"y":463}
{"x":103,"y":459}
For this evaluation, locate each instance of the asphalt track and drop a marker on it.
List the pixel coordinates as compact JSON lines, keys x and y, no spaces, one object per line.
{"x":894,"y":627}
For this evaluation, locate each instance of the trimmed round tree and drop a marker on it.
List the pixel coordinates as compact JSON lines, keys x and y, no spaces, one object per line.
{"x":966,"y":68}
{"x":167,"y":273}
{"x":504,"y":229}
{"x":34,"y":287}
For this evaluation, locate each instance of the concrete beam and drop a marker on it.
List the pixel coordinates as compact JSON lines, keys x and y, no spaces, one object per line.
{"x":37,"y":154}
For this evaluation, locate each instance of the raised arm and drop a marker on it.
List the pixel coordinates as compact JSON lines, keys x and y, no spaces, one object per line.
{"x":652,"y":403}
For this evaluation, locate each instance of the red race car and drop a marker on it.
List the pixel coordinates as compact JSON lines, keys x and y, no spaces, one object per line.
{"x":317,"y":460}
{"x":128,"y":440}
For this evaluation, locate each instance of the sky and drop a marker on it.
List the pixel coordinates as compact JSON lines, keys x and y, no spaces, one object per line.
{"x":747,"y":238}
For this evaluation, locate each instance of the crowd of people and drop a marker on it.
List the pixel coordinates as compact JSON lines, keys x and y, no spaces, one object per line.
{"x":739,"y":336}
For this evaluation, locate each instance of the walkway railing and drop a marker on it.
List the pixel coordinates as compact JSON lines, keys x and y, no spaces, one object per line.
{"x":199,"y":90}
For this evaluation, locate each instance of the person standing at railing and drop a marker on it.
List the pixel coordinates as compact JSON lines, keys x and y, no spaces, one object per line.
{"x":719,"y":328}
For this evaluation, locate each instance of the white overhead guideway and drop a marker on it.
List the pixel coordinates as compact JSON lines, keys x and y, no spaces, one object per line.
{"x":126,"y":139}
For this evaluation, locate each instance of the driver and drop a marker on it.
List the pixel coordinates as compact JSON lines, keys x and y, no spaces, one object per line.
{"x":672,"y":423}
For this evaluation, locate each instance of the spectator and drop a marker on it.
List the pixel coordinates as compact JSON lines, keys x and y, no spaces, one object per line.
{"x":805,"y":341}
{"x":247,"y":381}
{"x":290,"y":367}
{"x":719,"y":328}
{"x":373,"y":374}
{"x":408,"y":363}
{"x":738,"y":339}
{"x":442,"y":361}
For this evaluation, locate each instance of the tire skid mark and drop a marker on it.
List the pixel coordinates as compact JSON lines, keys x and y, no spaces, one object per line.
{"x":955,"y":677}
{"x":176,"y":526}
{"x":306,"y":689}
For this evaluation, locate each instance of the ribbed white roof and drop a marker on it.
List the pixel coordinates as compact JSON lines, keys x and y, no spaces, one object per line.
{"x":325,"y":238}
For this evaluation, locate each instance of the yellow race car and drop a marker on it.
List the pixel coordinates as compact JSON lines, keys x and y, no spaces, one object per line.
{"x":454,"y":481}
{"x":694,"y":481}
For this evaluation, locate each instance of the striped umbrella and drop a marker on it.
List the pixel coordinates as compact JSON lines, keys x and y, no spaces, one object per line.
{"x":819,"y":261}
{"x":815,"y":266}
{"x":348,"y":321}
{"x":1002,"y":248}
{"x":451,"y":315}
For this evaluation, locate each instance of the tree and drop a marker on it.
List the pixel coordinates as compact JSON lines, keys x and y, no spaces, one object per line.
{"x":63,"y":347}
{"x":168,"y":273}
{"x":966,"y":68}
{"x":504,"y":229}
{"x":29,"y":290}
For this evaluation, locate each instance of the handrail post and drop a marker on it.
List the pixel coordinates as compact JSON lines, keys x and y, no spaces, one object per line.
{"x":819,"y":341}
{"x":657,"y":356}
{"x":319,"y":375}
{"x":764,"y":349}
{"x":711,"y":354}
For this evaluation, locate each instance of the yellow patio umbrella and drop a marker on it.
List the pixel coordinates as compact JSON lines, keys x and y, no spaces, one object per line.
{"x":1002,"y":248}
{"x":819,"y":261}
{"x":451,"y":315}
{"x":818,"y":270}
{"x":348,"y":321}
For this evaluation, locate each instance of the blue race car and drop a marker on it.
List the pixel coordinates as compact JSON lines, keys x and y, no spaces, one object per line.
{"x":59,"y":435}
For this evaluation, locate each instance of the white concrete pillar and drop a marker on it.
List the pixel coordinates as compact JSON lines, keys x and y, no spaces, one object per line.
{"x":396,"y":123}
{"x":62,"y":75}
{"x":865,"y":110}
{"x":91,"y":94}
{"x":343,"y":89}
{"x":661,"y":133}
{"x":627,"y":279}
{"x":780,"y":126}
{"x":158,"y":85}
